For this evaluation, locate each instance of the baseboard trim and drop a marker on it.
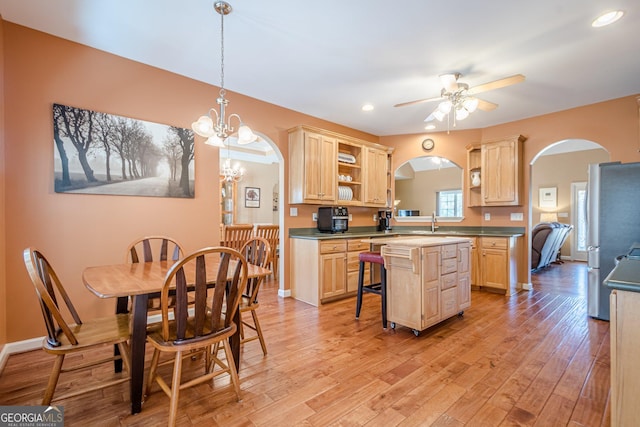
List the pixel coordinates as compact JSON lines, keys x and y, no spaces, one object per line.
{"x":18,"y":347}
{"x":527,"y":286}
{"x":284,"y":293}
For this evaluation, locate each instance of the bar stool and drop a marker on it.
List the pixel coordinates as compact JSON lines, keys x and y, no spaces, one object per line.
{"x":374,"y":288}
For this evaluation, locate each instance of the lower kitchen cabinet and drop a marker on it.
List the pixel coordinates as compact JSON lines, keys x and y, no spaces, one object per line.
{"x":497,"y":262}
{"x":325,"y":270}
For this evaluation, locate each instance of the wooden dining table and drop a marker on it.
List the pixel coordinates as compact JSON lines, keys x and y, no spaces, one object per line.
{"x":140,"y":281}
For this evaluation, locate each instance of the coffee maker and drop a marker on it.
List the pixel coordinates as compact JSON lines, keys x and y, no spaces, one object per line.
{"x":384,"y":220}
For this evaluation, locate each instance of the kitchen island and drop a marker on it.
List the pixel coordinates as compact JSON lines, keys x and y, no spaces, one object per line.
{"x":428,"y":279}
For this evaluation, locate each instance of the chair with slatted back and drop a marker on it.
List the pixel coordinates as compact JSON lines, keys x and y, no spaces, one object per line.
{"x":256,"y":251}
{"x":154,"y":248}
{"x":73,"y":336}
{"x":272,"y":234}
{"x":235,"y":235}
{"x":208,"y":326}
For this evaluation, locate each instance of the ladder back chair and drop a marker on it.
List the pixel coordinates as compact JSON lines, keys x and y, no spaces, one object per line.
{"x":256,"y":251}
{"x":207,"y":326}
{"x":235,"y":235}
{"x":272,"y":234}
{"x":73,"y":336}
{"x":154,"y":248}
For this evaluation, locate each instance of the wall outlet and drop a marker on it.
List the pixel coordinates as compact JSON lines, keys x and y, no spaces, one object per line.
{"x":517,"y":216}
{"x":563,"y":214}
{"x":350,"y":217}
{"x":293,"y":211}
{"x":314,"y":216}
{"x":375,"y":217}
{"x":487,"y":217}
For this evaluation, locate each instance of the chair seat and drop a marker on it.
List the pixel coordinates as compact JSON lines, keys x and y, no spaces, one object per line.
{"x":106,"y":330}
{"x":372,"y":257}
{"x":154,"y":338}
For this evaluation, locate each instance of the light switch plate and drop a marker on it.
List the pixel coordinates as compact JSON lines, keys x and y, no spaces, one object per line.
{"x":293,"y":211}
{"x":517,"y":216}
{"x":487,"y":217}
{"x":314,"y":216}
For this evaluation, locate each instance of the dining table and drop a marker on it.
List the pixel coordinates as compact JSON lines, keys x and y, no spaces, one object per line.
{"x":140,"y":281}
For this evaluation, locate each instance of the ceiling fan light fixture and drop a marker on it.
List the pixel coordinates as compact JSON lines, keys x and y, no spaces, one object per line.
{"x":438,"y":115}
{"x":470,"y":104}
{"x":461,"y":113}
{"x":607,"y":18}
{"x":445,"y":107}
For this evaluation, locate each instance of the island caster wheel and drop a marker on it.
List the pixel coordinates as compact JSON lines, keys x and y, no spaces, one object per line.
{"x":393,"y":325}
{"x":416,"y":332}
{"x":461,"y":313}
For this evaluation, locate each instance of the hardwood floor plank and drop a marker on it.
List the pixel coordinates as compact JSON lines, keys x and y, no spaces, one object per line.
{"x":532,"y":359}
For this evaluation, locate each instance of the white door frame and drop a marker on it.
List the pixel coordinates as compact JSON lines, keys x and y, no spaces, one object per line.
{"x":576,"y":188}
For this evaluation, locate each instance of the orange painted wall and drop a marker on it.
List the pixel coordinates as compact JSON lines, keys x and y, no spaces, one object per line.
{"x":76,"y":231}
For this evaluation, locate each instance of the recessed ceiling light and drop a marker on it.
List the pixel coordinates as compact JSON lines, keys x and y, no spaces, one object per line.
{"x":429,"y":127}
{"x":367,"y":107}
{"x":607,"y":18}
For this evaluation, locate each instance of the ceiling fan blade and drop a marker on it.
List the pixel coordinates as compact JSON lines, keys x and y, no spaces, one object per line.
{"x":419,"y":101}
{"x":450,"y":81}
{"x":486,"y":105}
{"x":496,"y":84}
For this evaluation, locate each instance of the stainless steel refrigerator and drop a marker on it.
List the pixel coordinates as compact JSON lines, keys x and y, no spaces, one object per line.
{"x":613,"y":226}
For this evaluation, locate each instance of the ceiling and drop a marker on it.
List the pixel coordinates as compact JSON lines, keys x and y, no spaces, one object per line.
{"x":328,"y":58}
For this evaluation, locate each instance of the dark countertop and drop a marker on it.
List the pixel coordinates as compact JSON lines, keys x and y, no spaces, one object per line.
{"x":625,"y":276}
{"x":371,"y":232}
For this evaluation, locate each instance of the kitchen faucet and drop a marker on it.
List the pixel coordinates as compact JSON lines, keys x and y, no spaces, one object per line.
{"x":434,"y":222}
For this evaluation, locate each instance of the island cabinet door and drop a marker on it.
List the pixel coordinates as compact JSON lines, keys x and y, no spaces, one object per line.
{"x":404,"y":287}
{"x":431,"y":286}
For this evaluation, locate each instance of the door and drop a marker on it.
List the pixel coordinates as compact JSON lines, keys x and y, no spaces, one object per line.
{"x":579,"y":220}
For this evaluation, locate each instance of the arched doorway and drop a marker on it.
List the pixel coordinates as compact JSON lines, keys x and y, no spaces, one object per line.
{"x":263,"y":177}
{"x":561,"y":169}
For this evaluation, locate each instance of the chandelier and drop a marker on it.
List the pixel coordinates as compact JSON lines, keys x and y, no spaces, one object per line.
{"x":458,"y":101}
{"x":214,"y":126}
{"x":230,"y":173}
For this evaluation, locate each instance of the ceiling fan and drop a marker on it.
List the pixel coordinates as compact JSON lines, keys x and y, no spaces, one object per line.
{"x":460,"y":97}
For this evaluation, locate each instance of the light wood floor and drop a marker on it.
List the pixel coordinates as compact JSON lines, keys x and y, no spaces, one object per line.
{"x":535,"y":359}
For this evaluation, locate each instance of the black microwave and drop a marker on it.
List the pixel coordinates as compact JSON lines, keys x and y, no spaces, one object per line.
{"x":333,"y":219}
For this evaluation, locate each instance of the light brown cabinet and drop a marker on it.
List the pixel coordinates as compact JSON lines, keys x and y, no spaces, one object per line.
{"x":376,"y":177}
{"x":498,"y":263}
{"x":426,"y":284}
{"x":325,"y":270}
{"x":313,"y":167}
{"x":495,"y":173}
{"x":625,"y":347}
{"x":332,"y":169}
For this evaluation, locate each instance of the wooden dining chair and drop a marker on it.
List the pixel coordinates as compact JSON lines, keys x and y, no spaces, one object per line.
{"x":271,"y":232}
{"x":256,"y":251}
{"x":153,"y":248}
{"x":235,"y":235}
{"x":207,"y":326}
{"x":73,"y":336}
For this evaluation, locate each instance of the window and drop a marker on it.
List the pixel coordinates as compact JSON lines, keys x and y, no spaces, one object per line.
{"x":449,"y":203}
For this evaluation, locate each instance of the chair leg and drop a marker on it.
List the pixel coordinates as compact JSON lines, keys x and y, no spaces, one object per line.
{"x":175,"y":389}
{"x":53,"y":380}
{"x":259,"y":331}
{"x":383,"y":294}
{"x":152,"y":371}
{"x":359,"y":294}
{"x":232,"y":369}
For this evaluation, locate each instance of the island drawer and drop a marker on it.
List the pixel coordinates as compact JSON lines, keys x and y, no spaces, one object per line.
{"x":449,"y":251}
{"x":449,"y":265}
{"x":448,"y":281}
{"x":493,"y":242}
{"x":357,"y":245}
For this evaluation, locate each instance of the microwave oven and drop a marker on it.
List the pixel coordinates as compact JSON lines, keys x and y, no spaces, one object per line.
{"x":333,"y":219}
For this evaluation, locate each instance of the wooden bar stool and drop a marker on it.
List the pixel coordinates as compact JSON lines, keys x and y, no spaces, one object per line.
{"x":374,"y":288}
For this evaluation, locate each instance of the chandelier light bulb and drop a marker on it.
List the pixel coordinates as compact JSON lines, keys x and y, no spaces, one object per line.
{"x":203,"y":126}
{"x":215,"y":141}
{"x":245,"y":135}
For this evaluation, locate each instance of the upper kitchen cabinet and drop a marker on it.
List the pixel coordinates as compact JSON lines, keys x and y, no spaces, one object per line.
{"x":312,"y":167}
{"x":495,"y":172}
{"x":329,"y":168}
{"x":376,"y":177}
